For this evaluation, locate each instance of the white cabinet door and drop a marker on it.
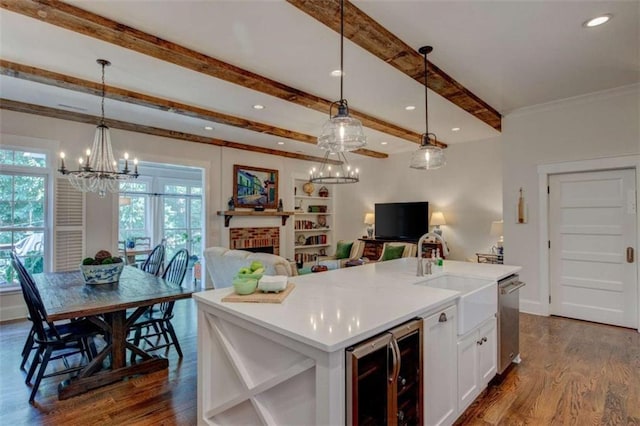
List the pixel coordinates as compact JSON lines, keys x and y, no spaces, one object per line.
{"x":487,"y":352}
{"x":440,"y":384}
{"x":468,"y":372}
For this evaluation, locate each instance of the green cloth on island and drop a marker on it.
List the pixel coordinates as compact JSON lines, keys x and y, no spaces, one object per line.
{"x":304,"y":271}
{"x":343,"y":250}
{"x":392,"y":252}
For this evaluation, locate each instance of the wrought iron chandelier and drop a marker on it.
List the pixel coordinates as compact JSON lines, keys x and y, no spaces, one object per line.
{"x":98,"y":170}
{"x":341,"y":132}
{"x":338,"y":173}
{"x":429,"y":156}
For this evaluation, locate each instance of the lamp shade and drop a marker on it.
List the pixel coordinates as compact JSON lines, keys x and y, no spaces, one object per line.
{"x":437,"y":218}
{"x":369,"y":219}
{"x":496,"y":228}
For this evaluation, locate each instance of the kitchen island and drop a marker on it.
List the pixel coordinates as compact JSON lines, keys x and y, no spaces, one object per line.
{"x":285,"y":363}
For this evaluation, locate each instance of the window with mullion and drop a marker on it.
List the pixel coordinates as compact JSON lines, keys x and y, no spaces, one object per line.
{"x":23,"y":211}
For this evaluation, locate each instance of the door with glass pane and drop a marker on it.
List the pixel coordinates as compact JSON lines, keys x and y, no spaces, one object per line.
{"x":135,"y":211}
{"x":23,"y":212}
{"x":182,"y":217}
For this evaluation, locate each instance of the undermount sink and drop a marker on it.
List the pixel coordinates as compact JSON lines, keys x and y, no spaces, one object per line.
{"x":478,"y":298}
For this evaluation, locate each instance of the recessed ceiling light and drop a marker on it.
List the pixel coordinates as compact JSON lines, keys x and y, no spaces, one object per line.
{"x":383,"y":143}
{"x":258,"y":106}
{"x":336,"y":73}
{"x":455,"y":129}
{"x":598,"y":20}
{"x":208,"y":128}
{"x":280,"y":143}
{"x":410,"y":107}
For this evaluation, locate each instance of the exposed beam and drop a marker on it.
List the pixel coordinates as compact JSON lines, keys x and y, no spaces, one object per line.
{"x":367,"y":33}
{"x":90,"y":24}
{"x":155,"y":131}
{"x":26,"y":72}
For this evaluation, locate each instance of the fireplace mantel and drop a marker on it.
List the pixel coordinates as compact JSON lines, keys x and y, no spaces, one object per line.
{"x":228,"y":214}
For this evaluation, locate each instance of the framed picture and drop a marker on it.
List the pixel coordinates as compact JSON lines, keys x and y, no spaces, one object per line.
{"x":255,"y":186}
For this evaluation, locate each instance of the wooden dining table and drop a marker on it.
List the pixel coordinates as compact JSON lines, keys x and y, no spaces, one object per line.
{"x":66,"y":296}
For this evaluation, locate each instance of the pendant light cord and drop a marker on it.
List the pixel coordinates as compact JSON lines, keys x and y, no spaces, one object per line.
{"x":426,"y":104}
{"x":103,"y":92}
{"x":341,"y":48}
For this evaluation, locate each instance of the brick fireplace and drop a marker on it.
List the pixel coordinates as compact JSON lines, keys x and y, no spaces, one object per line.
{"x":255,"y":239}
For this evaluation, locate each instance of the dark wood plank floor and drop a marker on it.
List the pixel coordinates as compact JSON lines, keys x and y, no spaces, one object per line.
{"x":572,"y":372}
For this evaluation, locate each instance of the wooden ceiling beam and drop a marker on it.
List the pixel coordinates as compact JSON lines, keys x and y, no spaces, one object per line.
{"x":90,"y":24}
{"x":367,"y":33}
{"x":10,"y":105}
{"x":38,"y":75}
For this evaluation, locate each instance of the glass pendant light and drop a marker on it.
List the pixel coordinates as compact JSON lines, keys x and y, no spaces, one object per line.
{"x":429,"y":156}
{"x":341,"y":132}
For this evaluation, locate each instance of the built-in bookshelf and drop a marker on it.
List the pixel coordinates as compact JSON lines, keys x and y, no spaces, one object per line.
{"x":313,"y":221}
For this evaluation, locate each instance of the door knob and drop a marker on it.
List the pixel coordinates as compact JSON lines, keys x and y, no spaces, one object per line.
{"x":629,"y":254}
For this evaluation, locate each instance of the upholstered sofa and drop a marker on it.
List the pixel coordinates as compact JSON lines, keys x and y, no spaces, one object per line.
{"x":223,"y":264}
{"x":332,"y":262}
{"x":405,"y":250}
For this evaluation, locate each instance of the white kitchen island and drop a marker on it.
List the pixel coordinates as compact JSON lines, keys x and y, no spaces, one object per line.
{"x":285,"y":363}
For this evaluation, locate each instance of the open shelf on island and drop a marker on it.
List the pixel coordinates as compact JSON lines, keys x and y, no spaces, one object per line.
{"x":228,"y":214}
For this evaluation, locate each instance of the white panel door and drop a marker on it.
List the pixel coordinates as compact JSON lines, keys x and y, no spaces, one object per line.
{"x":592,"y":223}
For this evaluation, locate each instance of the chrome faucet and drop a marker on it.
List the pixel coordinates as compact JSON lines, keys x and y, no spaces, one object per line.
{"x":445,"y":251}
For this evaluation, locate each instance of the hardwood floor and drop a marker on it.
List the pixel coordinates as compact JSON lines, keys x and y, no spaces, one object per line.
{"x":572,"y":372}
{"x":162,"y":398}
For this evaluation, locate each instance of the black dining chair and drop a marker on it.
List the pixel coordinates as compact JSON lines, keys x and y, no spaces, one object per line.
{"x":29,"y":343}
{"x":154,"y":262}
{"x":155,"y":329}
{"x":53,"y":342}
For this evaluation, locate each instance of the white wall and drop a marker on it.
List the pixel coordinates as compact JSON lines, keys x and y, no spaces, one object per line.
{"x":73,"y":138}
{"x":468,"y":190}
{"x":594,"y":126}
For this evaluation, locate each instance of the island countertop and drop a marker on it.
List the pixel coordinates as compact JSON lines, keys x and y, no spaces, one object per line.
{"x":335,"y":309}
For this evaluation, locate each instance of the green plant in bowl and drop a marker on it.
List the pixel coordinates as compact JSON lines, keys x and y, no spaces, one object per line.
{"x":243,"y":285}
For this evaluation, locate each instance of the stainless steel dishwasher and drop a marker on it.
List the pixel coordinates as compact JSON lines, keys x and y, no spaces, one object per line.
{"x":508,"y":321}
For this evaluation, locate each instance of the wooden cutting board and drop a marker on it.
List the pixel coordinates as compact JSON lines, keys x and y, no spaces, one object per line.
{"x":260,"y":297}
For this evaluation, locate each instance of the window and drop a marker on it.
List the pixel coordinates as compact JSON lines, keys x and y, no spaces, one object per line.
{"x":23,"y":211}
{"x":134,"y":210}
{"x":182,"y":212}
{"x":165,"y":203}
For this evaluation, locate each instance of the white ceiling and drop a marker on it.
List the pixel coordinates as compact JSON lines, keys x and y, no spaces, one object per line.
{"x":512,"y":54}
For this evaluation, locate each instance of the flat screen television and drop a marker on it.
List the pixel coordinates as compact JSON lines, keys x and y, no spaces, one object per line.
{"x":401,"y":221}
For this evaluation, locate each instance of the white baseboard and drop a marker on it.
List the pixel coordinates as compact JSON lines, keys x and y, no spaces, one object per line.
{"x":12,"y":313}
{"x":532,"y":307}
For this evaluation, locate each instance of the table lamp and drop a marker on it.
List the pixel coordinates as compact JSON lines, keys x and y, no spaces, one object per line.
{"x":496,"y":231}
{"x":370,"y":220}
{"x":437,"y":219}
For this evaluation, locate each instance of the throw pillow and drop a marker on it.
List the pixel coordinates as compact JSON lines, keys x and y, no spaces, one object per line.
{"x":392,"y":252}
{"x":343,"y":250}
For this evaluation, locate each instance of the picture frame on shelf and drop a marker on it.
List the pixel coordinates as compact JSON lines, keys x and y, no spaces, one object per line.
{"x":255,"y":186}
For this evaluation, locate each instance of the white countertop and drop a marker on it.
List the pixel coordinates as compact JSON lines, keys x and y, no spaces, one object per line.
{"x":335,"y":309}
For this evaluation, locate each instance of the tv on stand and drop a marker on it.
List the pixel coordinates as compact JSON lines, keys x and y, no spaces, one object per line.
{"x":401,"y":221}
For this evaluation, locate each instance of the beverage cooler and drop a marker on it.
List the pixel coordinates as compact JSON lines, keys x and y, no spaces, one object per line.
{"x":384,"y":378}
